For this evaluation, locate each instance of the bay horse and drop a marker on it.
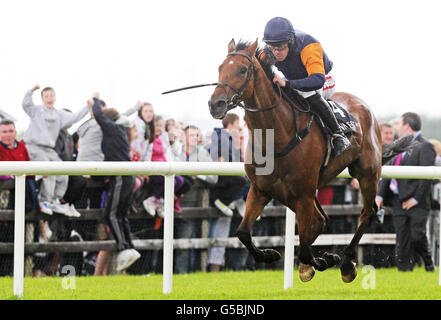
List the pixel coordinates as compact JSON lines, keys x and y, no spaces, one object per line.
{"x":245,"y":76}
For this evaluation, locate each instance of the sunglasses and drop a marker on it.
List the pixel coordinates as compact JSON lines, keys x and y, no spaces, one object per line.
{"x":280,"y":48}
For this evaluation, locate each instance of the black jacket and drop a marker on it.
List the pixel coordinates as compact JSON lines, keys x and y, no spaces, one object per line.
{"x":115,"y":144}
{"x":65,"y":146}
{"x":423,"y":154}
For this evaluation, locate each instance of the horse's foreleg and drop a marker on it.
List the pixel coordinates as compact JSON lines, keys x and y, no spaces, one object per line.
{"x":331,"y":258}
{"x":256,"y":202}
{"x":310,"y":222}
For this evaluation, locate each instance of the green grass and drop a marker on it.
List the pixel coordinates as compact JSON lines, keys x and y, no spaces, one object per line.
{"x":259,"y":285}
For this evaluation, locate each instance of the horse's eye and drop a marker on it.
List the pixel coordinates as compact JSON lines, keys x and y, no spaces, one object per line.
{"x":243,"y":70}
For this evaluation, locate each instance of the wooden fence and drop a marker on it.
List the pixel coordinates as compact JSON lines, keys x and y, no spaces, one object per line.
{"x":196,"y":243}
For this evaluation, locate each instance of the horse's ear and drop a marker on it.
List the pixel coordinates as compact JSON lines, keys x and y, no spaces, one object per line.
{"x":231,"y":46}
{"x":252,"y":49}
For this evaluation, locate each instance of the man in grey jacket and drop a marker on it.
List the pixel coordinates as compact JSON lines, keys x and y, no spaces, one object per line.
{"x":40,"y":138}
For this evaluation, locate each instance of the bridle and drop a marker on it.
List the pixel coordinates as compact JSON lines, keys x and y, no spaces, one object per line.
{"x":235,"y":99}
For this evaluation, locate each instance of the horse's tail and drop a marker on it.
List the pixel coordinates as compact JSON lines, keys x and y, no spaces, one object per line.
{"x":396,"y":147}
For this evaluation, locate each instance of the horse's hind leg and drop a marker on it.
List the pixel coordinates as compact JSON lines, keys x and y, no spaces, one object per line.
{"x":368,"y":179}
{"x":256,"y":202}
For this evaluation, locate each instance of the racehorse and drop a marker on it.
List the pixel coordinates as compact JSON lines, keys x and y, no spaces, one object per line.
{"x":245,"y":79}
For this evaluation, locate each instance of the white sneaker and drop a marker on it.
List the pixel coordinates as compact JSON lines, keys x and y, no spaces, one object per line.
{"x":75,"y":234}
{"x":240,"y":205}
{"x":223,"y":208}
{"x":126,"y":258}
{"x":73,"y":212}
{"x":45,"y":207}
{"x":149,"y":205}
{"x":57,"y":207}
{"x":160,"y":208}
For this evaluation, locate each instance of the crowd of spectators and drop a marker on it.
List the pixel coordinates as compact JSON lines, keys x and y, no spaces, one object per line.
{"x":112,"y":136}
{"x":140,"y":133}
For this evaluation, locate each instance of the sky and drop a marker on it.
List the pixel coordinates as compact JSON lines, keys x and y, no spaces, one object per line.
{"x":385,"y":52}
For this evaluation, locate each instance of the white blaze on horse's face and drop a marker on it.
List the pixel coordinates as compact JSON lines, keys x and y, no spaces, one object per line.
{"x":231,"y":62}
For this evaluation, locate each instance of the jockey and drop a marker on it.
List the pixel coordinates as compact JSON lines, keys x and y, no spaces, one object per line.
{"x":306,"y":69}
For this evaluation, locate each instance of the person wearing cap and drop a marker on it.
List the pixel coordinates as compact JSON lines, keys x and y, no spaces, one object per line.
{"x":306,"y":68}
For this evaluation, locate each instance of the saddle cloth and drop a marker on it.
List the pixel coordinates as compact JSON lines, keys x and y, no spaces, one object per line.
{"x":344,"y":118}
{"x":346,"y":122}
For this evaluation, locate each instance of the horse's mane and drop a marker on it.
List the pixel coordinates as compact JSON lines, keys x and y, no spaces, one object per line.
{"x":265,"y":57}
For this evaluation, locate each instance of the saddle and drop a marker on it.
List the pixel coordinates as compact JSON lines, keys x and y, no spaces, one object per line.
{"x":344,"y":119}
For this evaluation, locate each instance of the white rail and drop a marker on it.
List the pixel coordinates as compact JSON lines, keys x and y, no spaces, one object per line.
{"x":20,"y":169}
{"x":17,"y":168}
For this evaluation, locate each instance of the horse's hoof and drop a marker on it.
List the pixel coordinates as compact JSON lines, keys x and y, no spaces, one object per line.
{"x":331,"y":259}
{"x":348,"y":272}
{"x":270,"y":255}
{"x":306,"y":272}
{"x":349,"y":277}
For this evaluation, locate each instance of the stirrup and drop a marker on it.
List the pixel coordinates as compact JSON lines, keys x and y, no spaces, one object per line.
{"x":345,"y":143}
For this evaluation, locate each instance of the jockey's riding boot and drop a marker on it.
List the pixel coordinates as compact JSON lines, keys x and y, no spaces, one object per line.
{"x":338,"y":140}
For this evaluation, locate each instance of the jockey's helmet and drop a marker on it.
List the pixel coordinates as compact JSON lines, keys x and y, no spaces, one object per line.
{"x":278,"y":30}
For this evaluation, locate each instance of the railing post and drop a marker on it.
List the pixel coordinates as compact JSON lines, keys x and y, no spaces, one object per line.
{"x":19,"y":235}
{"x":169,"y":197}
{"x":289,"y":248}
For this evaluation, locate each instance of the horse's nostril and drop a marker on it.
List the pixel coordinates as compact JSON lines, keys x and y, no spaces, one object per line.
{"x":218,"y":108}
{"x":220,"y":104}
{"x":217,"y":105}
